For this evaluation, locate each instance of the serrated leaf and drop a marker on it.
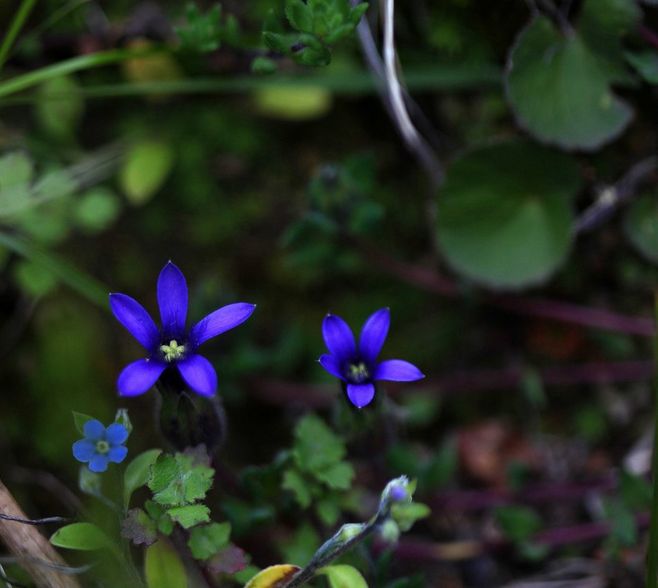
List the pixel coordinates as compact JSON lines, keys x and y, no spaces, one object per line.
{"x":163,"y":567}
{"x":80,"y":536}
{"x":137,"y":473}
{"x":190,"y":515}
{"x":202,"y":32}
{"x":273,"y":577}
{"x":505,"y":214}
{"x":207,"y":540}
{"x":641,"y":225}
{"x":144,"y":170}
{"x":343,"y":576}
{"x":176,"y":481}
{"x":294,"y":481}
{"x":559,"y":90}
{"x":139,"y":528}
{"x":338,"y":476}
{"x":316,"y":447}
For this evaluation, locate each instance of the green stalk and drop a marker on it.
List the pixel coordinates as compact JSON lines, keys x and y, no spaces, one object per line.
{"x":33,"y":78}
{"x":652,"y":556}
{"x":15,"y":28}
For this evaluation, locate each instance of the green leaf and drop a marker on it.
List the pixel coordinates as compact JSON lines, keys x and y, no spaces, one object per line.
{"x":560,"y":91}
{"x":59,"y":106}
{"x":90,"y":482}
{"x":145,"y":168}
{"x":316,"y":447}
{"x":293,"y":103}
{"x":343,"y":576}
{"x":641,"y":225}
{"x":645,"y":63}
{"x":96,"y":210}
{"x":518,"y":523}
{"x":299,"y":15}
{"x":80,"y":536}
{"x":158,"y":514}
{"x":190,"y":515}
{"x":295,"y":482}
{"x":79,"y":420}
{"x":505,"y":214}
{"x":176,"y":481}
{"x":34,"y":279}
{"x":202,"y":32}
{"x":163,"y":567}
{"x":406,"y":514}
{"x":16,"y":172}
{"x":338,"y":476}
{"x":636,"y":492}
{"x":137,"y":473}
{"x":328,"y":511}
{"x":207,"y":540}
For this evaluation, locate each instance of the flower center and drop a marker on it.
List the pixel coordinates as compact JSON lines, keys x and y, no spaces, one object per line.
{"x":102,"y":446}
{"x":358,"y":372}
{"x":172,"y":351}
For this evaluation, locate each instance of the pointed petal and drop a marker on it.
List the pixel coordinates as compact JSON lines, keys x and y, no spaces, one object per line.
{"x":116,"y":434}
{"x":84,"y":450}
{"x":361,"y":395}
{"x":338,"y":337}
{"x":94,"y":430}
{"x":332,"y":365}
{"x":199,"y":374}
{"x":398,"y":370}
{"x":133,"y":316}
{"x":138,"y":376}
{"x":98,"y":463}
{"x":220,"y":321}
{"x":373,"y":334}
{"x":172,"y":300}
{"x":117,"y":454}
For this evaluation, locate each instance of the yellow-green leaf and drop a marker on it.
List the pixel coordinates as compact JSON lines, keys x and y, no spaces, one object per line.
{"x":273,"y":576}
{"x":145,"y":169}
{"x":163,"y":567}
{"x":81,"y":536}
{"x":343,"y":576}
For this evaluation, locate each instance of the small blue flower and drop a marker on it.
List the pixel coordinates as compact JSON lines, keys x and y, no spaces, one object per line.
{"x":173,"y":344}
{"x":101,"y":445}
{"x":358,"y":367}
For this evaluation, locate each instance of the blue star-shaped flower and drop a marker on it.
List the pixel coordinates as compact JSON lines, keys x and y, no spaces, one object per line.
{"x":358,"y":367}
{"x":101,"y":445}
{"x":173,"y":344}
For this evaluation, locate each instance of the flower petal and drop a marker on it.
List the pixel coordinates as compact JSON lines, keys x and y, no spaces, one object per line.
{"x":332,"y":365}
{"x":84,"y":450}
{"x":199,"y":374}
{"x":98,"y":463}
{"x":117,"y":454}
{"x":338,"y":337}
{"x":138,"y":376}
{"x":397,"y":370}
{"x":373,"y":334}
{"x":220,"y":321}
{"x":172,"y":300}
{"x":93,"y":430}
{"x":361,"y":395}
{"x":116,"y":434}
{"x":134,"y":317}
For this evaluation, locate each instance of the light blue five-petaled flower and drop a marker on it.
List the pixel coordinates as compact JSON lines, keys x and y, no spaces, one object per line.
{"x":101,"y":445}
{"x":172,"y":345}
{"x":357,"y":366}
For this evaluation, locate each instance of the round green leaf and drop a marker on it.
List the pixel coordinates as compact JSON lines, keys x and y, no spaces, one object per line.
{"x":505,"y":215}
{"x":343,"y":576}
{"x":59,"y":106}
{"x":560,"y":91}
{"x":641,"y":226}
{"x":293,"y":103}
{"x":80,"y":536}
{"x":145,"y":168}
{"x":97,"y":210}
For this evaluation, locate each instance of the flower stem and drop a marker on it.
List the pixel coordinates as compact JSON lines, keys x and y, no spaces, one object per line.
{"x":652,"y":556}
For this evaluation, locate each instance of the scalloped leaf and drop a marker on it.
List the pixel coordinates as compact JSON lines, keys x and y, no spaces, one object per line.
{"x":505,"y":214}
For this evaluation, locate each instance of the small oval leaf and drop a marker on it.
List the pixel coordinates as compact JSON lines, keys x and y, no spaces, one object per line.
{"x":163,"y":567}
{"x":343,"y":576}
{"x":80,"y":536}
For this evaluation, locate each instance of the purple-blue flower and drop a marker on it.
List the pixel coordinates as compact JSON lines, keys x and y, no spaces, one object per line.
{"x":101,"y":445}
{"x":357,"y":366}
{"x":172,"y":345}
